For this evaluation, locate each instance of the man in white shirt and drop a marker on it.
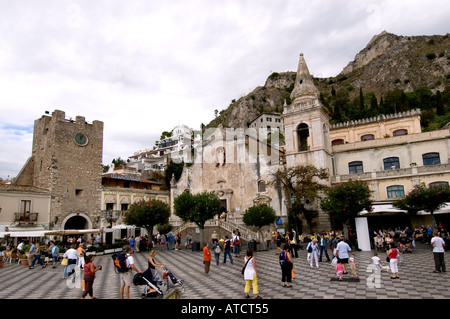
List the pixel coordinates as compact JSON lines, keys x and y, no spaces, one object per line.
{"x":72,"y":255}
{"x":137,"y":243}
{"x":438,"y":251}
{"x":126,"y":278}
{"x":342,"y":250}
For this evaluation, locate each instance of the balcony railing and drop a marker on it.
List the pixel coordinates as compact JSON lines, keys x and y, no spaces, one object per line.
{"x":109,"y":213}
{"x":26,"y":218}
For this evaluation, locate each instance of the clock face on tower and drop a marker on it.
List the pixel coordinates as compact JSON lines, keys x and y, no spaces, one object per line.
{"x":81,"y":139}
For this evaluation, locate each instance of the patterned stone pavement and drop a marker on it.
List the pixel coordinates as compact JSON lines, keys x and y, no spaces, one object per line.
{"x":417,"y":280}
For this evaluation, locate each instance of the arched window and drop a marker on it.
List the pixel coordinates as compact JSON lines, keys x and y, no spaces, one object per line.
{"x":431,"y":159}
{"x":337,"y":141}
{"x":261,"y":186}
{"x":400,"y":132}
{"x":355,"y":167}
{"x":303,"y":134}
{"x":391,"y":163}
{"x":367,"y":137}
{"x":395,"y":191}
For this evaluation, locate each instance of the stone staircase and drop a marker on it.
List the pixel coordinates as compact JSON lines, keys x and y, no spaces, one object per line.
{"x":246,"y":234}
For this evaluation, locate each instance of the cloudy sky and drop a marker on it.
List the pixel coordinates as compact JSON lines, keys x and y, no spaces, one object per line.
{"x":143,"y":67}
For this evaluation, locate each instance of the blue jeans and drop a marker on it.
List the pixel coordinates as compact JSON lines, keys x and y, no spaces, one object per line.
{"x":71,"y":262}
{"x":227,"y":252}
{"x":324,"y":249}
{"x":237,"y":249}
{"x":38,"y":259}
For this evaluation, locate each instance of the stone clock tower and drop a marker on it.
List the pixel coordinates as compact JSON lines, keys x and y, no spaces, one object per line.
{"x":67,"y":160}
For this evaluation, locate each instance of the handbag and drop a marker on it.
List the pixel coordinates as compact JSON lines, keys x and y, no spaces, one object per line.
{"x":64,"y":262}
{"x":243,"y":269}
{"x":334,"y":262}
{"x":388,"y":259}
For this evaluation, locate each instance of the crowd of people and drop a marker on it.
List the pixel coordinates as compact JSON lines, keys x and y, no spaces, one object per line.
{"x":329,"y":245}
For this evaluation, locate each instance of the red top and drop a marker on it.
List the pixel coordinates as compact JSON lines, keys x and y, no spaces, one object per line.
{"x":206,"y":254}
{"x":393,"y":254}
{"x":87,"y":269}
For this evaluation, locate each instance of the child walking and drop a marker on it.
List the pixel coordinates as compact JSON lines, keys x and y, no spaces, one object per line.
{"x":353,"y":268}
{"x":339,"y":271}
{"x":376,"y":261}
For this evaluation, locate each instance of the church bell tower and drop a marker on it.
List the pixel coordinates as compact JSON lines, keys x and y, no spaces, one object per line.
{"x":306,"y":123}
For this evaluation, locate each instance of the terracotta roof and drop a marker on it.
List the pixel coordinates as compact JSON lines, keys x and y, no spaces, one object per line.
{"x":143,"y":153}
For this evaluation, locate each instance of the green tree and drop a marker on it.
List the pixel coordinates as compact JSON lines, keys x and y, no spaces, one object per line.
{"x":425,"y":198}
{"x":361,"y":100}
{"x":373,"y":104}
{"x":147,"y":214}
{"x":118,"y":162}
{"x":197,"y":208}
{"x":301,"y":186}
{"x":260,"y":216}
{"x":165,"y":134}
{"x":164,"y":228}
{"x":345,"y":200}
{"x":173,"y":170}
{"x":440,"y":108}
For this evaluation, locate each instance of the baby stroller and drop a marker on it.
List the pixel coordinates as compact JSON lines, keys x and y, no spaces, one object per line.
{"x":173,"y":280}
{"x":150,"y":280}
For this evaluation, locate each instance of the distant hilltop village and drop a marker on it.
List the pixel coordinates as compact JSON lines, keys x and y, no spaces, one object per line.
{"x":62,"y":185}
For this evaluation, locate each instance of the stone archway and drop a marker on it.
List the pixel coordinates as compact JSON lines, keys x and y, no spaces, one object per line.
{"x":77,"y":221}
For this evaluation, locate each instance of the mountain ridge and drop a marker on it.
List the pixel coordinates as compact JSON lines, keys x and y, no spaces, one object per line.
{"x":388,"y":63}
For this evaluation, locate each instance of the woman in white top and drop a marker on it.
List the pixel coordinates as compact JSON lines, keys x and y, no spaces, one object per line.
{"x":251,"y":275}
{"x":314,"y":253}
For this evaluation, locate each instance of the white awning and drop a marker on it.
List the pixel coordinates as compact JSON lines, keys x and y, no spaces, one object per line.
{"x":36,"y":233}
{"x":122,"y":226}
{"x":41,"y":233}
{"x":63,"y":232}
{"x":443,"y":210}
{"x":382,"y":209}
{"x":389,"y":209}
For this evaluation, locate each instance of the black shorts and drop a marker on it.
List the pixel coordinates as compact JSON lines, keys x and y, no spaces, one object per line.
{"x":343,"y":260}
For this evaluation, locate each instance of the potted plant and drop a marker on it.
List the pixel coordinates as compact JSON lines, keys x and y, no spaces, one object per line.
{"x":23,"y":259}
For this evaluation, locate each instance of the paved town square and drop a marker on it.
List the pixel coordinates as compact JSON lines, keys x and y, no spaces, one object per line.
{"x":417,"y":280}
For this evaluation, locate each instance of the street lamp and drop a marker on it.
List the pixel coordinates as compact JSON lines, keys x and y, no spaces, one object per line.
{"x":109,"y":217}
{"x":291,"y":201}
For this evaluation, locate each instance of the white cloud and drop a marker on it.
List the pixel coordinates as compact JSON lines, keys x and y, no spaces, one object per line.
{"x":143,"y":67}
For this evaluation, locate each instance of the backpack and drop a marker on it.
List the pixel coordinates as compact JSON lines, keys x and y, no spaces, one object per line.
{"x":217,"y":249}
{"x":55,"y":251}
{"x":282,"y":257}
{"x":120,"y":262}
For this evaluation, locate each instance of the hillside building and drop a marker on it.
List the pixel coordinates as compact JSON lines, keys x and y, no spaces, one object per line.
{"x":176,"y":147}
